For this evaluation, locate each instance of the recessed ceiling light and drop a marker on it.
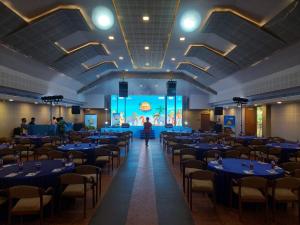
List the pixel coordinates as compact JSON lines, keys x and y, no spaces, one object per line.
{"x":190,"y":21}
{"x":98,"y":75}
{"x":103,"y":18}
{"x":173,"y":59}
{"x":141,"y":85}
{"x":111,"y":37}
{"x":255,"y":104}
{"x":121,"y":57}
{"x":279,"y":102}
{"x":146,"y":18}
{"x":36,"y":103}
{"x":182,"y":38}
{"x":146,"y":48}
{"x":11,"y":100}
{"x":168,"y":70}
{"x":147,"y":64}
{"x":126,"y":70}
{"x":195,"y":77}
{"x":156,"y":85}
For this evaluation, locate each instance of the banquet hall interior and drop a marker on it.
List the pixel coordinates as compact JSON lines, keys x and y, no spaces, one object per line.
{"x":154,"y":112}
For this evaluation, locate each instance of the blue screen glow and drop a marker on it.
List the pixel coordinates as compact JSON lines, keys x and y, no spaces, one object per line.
{"x":135,"y":108}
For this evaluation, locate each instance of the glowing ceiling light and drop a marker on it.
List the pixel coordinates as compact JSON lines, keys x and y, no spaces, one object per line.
{"x":146,"y":48}
{"x":111,"y":37}
{"x":146,"y":18}
{"x":103,"y":18}
{"x":11,"y":100}
{"x":279,"y":102}
{"x":121,"y":57}
{"x":147,"y":64}
{"x":182,"y":39}
{"x":168,"y":70}
{"x":190,"y":21}
{"x":173,"y":59}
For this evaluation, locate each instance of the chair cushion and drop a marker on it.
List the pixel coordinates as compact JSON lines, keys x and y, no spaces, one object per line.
{"x":273,"y":157}
{"x":122,"y":143}
{"x":25,"y":153}
{"x":250,"y":194}
{"x":74,"y":190}
{"x":102,"y":158}
{"x":190,"y":170}
{"x":9,"y":158}
{"x":90,"y":176}
{"x":188,"y":157}
{"x":244,"y":156}
{"x":43,"y":157}
{"x":176,"y":151}
{"x":30,"y":204}
{"x":115,"y":153}
{"x":202,"y":185}
{"x":294,"y":159}
{"x":283,"y":194}
{"x":79,"y":161}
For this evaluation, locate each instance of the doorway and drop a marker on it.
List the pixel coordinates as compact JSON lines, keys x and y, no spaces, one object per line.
{"x":250,"y":121}
{"x":205,"y":122}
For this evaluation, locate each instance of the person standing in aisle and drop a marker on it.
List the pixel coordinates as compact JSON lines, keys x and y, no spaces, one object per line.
{"x":147,"y":130}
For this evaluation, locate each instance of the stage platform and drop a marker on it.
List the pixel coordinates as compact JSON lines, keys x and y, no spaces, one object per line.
{"x":136,"y":130}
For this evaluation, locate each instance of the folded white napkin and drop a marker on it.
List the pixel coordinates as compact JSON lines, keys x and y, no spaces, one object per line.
{"x":11,"y":175}
{"x":248,"y":171}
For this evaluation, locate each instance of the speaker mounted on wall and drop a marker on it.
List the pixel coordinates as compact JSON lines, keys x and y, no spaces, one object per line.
{"x":218,"y":111}
{"x":123,"y":89}
{"x":171,"y":88}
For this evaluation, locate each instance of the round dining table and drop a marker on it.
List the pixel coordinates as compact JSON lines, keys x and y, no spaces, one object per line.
{"x":286,"y":149}
{"x":87,"y":148}
{"x":44,"y":173}
{"x":230,"y":168}
{"x":201,"y":148}
{"x":247,"y":139}
{"x":34,"y":139}
{"x":98,"y":138}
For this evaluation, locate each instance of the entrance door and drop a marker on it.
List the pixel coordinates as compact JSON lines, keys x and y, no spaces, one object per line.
{"x":250,"y":121}
{"x":205,"y":122}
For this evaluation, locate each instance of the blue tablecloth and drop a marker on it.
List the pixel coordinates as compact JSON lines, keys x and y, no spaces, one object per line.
{"x":203,"y":147}
{"x":34,"y":139}
{"x":248,"y":139}
{"x":98,"y":138}
{"x":189,"y":138}
{"x":286,"y":149}
{"x":2,"y":146}
{"x":45,"y":178}
{"x":87,"y":148}
{"x":237,"y":168}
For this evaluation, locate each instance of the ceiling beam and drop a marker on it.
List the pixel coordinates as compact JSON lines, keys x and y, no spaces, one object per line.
{"x":148,"y":75}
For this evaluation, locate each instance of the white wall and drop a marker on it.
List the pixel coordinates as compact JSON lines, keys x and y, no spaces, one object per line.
{"x":95,"y":101}
{"x":285,"y":121}
{"x":198,"y":102}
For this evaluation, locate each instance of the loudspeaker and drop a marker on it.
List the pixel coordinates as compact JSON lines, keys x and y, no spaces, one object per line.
{"x":171,"y":88}
{"x":75,"y":109}
{"x":123,"y":89}
{"x":218,"y":111}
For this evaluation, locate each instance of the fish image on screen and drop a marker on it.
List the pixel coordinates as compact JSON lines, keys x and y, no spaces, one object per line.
{"x":136,"y":108}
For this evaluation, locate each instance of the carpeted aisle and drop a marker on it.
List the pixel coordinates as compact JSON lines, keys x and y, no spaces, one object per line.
{"x":144,"y":192}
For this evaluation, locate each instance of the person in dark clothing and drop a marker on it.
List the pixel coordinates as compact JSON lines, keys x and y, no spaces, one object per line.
{"x":32,"y":121}
{"x":147,"y":130}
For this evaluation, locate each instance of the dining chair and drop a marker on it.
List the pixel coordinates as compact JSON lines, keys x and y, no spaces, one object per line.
{"x":244,"y":150}
{"x":273,"y":154}
{"x":116,"y":152}
{"x":211,"y":155}
{"x":75,"y":186}
{"x":175,"y":151}
{"x":78,"y":157}
{"x":232,"y":154}
{"x":9,"y":155}
{"x":41,"y":153}
{"x":285,"y":190}
{"x":56,"y":155}
{"x":93,"y":175}
{"x":295,"y":157}
{"x":30,"y":200}
{"x":188,"y":167}
{"x":251,"y":189}
{"x":201,"y":181}
{"x":24,"y":150}
{"x":104,"y":157}
{"x":290,"y":167}
{"x":186,"y":154}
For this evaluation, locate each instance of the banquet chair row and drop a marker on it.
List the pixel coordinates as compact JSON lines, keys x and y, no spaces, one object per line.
{"x":31,"y":200}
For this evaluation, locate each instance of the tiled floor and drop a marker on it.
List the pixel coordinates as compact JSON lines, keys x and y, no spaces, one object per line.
{"x":146,"y":190}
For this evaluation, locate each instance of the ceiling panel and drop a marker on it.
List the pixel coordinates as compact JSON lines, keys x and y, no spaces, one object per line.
{"x":155,"y":33}
{"x":9,"y":21}
{"x":37,"y":39}
{"x":217,"y":61}
{"x":203,"y":76}
{"x":286,"y":24}
{"x":252,"y":42}
{"x":91,"y":74}
{"x":70,"y":64}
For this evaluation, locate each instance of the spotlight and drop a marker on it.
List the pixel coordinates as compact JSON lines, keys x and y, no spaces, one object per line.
{"x":190,"y":21}
{"x":182,"y":39}
{"x":11,"y":100}
{"x":52,"y":99}
{"x":146,"y":48}
{"x":279,"y":102}
{"x":111,"y":37}
{"x":103,"y":18}
{"x":146,"y":18}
